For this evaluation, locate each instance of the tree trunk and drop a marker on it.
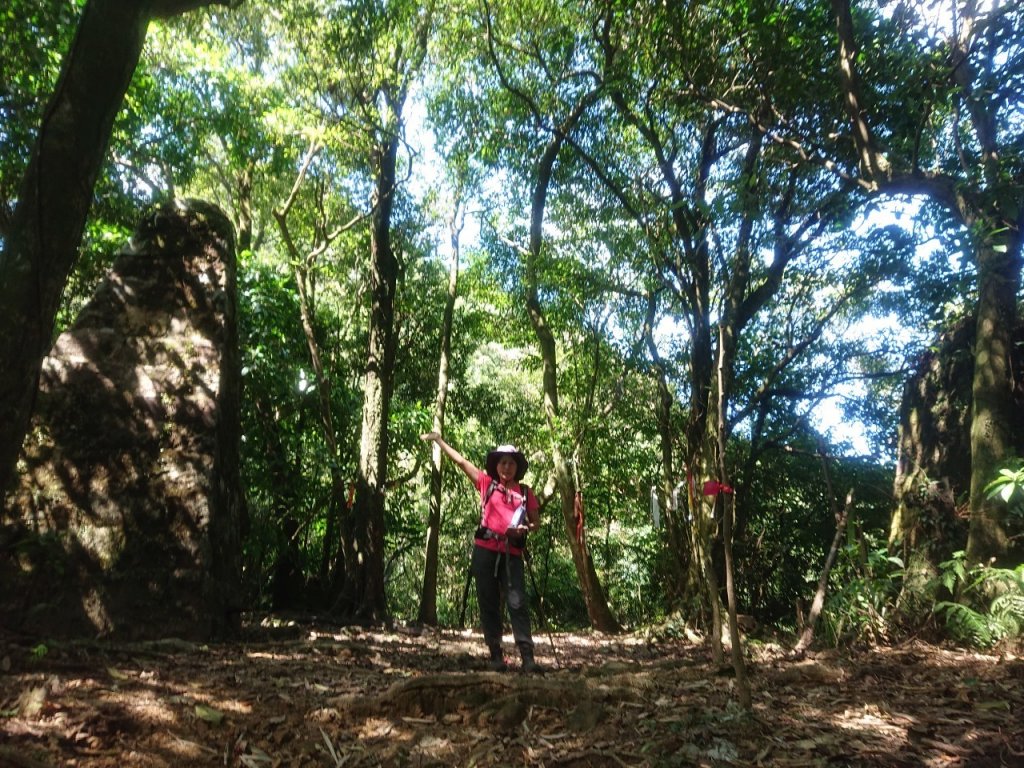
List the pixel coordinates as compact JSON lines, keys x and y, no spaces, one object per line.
{"x":600,"y":614}
{"x":53,"y":202}
{"x":728,"y":512}
{"x":428,"y":598}
{"x":807,"y":636}
{"x":362,"y":595}
{"x":676,"y":529}
{"x":243,"y":210}
{"x":55,"y":195}
{"x":303,"y":267}
{"x":994,"y":418}
{"x":986,"y":201}
{"x":323,"y":387}
{"x":841,"y":516}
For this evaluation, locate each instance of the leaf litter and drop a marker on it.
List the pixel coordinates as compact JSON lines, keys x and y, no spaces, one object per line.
{"x":313,"y":694}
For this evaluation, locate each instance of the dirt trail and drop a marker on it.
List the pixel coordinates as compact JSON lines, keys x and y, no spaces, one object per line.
{"x":321,"y":696}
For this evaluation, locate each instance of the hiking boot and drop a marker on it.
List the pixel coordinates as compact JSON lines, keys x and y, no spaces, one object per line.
{"x":529,"y":665}
{"x":497,"y":661}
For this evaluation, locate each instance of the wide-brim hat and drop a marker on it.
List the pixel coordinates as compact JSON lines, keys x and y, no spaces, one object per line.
{"x":507,"y":450}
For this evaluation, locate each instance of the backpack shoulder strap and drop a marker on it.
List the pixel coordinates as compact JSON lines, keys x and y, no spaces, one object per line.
{"x":490,"y":489}
{"x":487,"y":495}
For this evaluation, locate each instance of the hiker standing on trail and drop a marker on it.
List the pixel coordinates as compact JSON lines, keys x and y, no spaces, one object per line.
{"x":509,"y":510}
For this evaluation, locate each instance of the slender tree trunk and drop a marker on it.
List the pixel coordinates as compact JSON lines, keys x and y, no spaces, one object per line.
{"x":323,"y":388}
{"x":728,"y":512}
{"x":243,"y":210}
{"x":807,"y":636}
{"x":55,"y":195}
{"x":593,"y":594}
{"x":841,"y":516}
{"x":599,"y":612}
{"x":679,"y":544}
{"x":363,"y":596}
{"x":307,"y":313}
{"x":428,"y":597}
{"x":709,"y":578}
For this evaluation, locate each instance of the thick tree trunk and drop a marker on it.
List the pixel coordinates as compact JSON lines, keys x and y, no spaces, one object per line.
{"x":933,"y":466}
{"x":55,"y":196}
{"x":994,"y":417}
{"x":428,"y":598}
{"x":54,"y":200}
{"x":994,"y":420}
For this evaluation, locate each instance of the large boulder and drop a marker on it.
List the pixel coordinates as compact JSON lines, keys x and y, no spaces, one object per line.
{"x":933,"y":472}
{"x":125,"y":517}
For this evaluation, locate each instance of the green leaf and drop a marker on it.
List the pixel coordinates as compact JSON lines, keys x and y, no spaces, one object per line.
{"x":209,"y":714}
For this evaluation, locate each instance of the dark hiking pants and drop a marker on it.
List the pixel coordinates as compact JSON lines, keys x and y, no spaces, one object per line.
{"x":497,"y":574}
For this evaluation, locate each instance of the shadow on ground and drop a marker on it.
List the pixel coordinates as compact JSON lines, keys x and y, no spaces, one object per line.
{"x":316,"y":695}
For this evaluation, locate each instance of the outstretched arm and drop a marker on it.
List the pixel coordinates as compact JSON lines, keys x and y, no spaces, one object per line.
{"x":472,"y":471}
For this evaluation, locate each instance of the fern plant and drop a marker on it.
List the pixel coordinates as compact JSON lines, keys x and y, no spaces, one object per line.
{"x":992,"y":602}
{"x":863,"y":588}
{"x":1009,"y":486}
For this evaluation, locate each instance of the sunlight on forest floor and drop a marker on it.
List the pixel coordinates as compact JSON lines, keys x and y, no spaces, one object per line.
{"x":316,"y":695}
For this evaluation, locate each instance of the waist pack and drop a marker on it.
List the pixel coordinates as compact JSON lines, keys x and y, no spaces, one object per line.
{"x":517,"y":540}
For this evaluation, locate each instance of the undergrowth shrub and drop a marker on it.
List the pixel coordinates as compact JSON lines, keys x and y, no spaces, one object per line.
{"x":864,"y":586}
{"x":990,"y":608}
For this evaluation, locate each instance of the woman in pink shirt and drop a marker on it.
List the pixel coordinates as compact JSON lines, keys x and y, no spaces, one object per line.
{"x":509,"y":510}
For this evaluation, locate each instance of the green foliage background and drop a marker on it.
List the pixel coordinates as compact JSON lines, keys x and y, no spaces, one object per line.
{"x":225,"y":106}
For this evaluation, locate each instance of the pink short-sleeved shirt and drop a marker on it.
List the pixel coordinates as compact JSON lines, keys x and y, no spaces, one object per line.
{"x":500,"y":508}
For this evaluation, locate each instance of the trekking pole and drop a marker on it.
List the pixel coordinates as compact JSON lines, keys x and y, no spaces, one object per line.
{"x":465,"y":598}
{"x":465,"y":589}
{"x":540,"y":608}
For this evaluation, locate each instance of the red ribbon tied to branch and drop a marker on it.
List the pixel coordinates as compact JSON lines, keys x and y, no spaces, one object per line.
{"x":713,"y":488}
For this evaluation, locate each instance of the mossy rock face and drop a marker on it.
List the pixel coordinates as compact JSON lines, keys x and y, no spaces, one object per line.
{"x":933,"y":470}
{"x":183,"y":225}
{"x":124,"y":520}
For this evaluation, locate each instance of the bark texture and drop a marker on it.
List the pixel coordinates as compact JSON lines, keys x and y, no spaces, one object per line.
{"x":598,"y":610}
{"x":987,"y":200}
{"x":54,"y":200}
